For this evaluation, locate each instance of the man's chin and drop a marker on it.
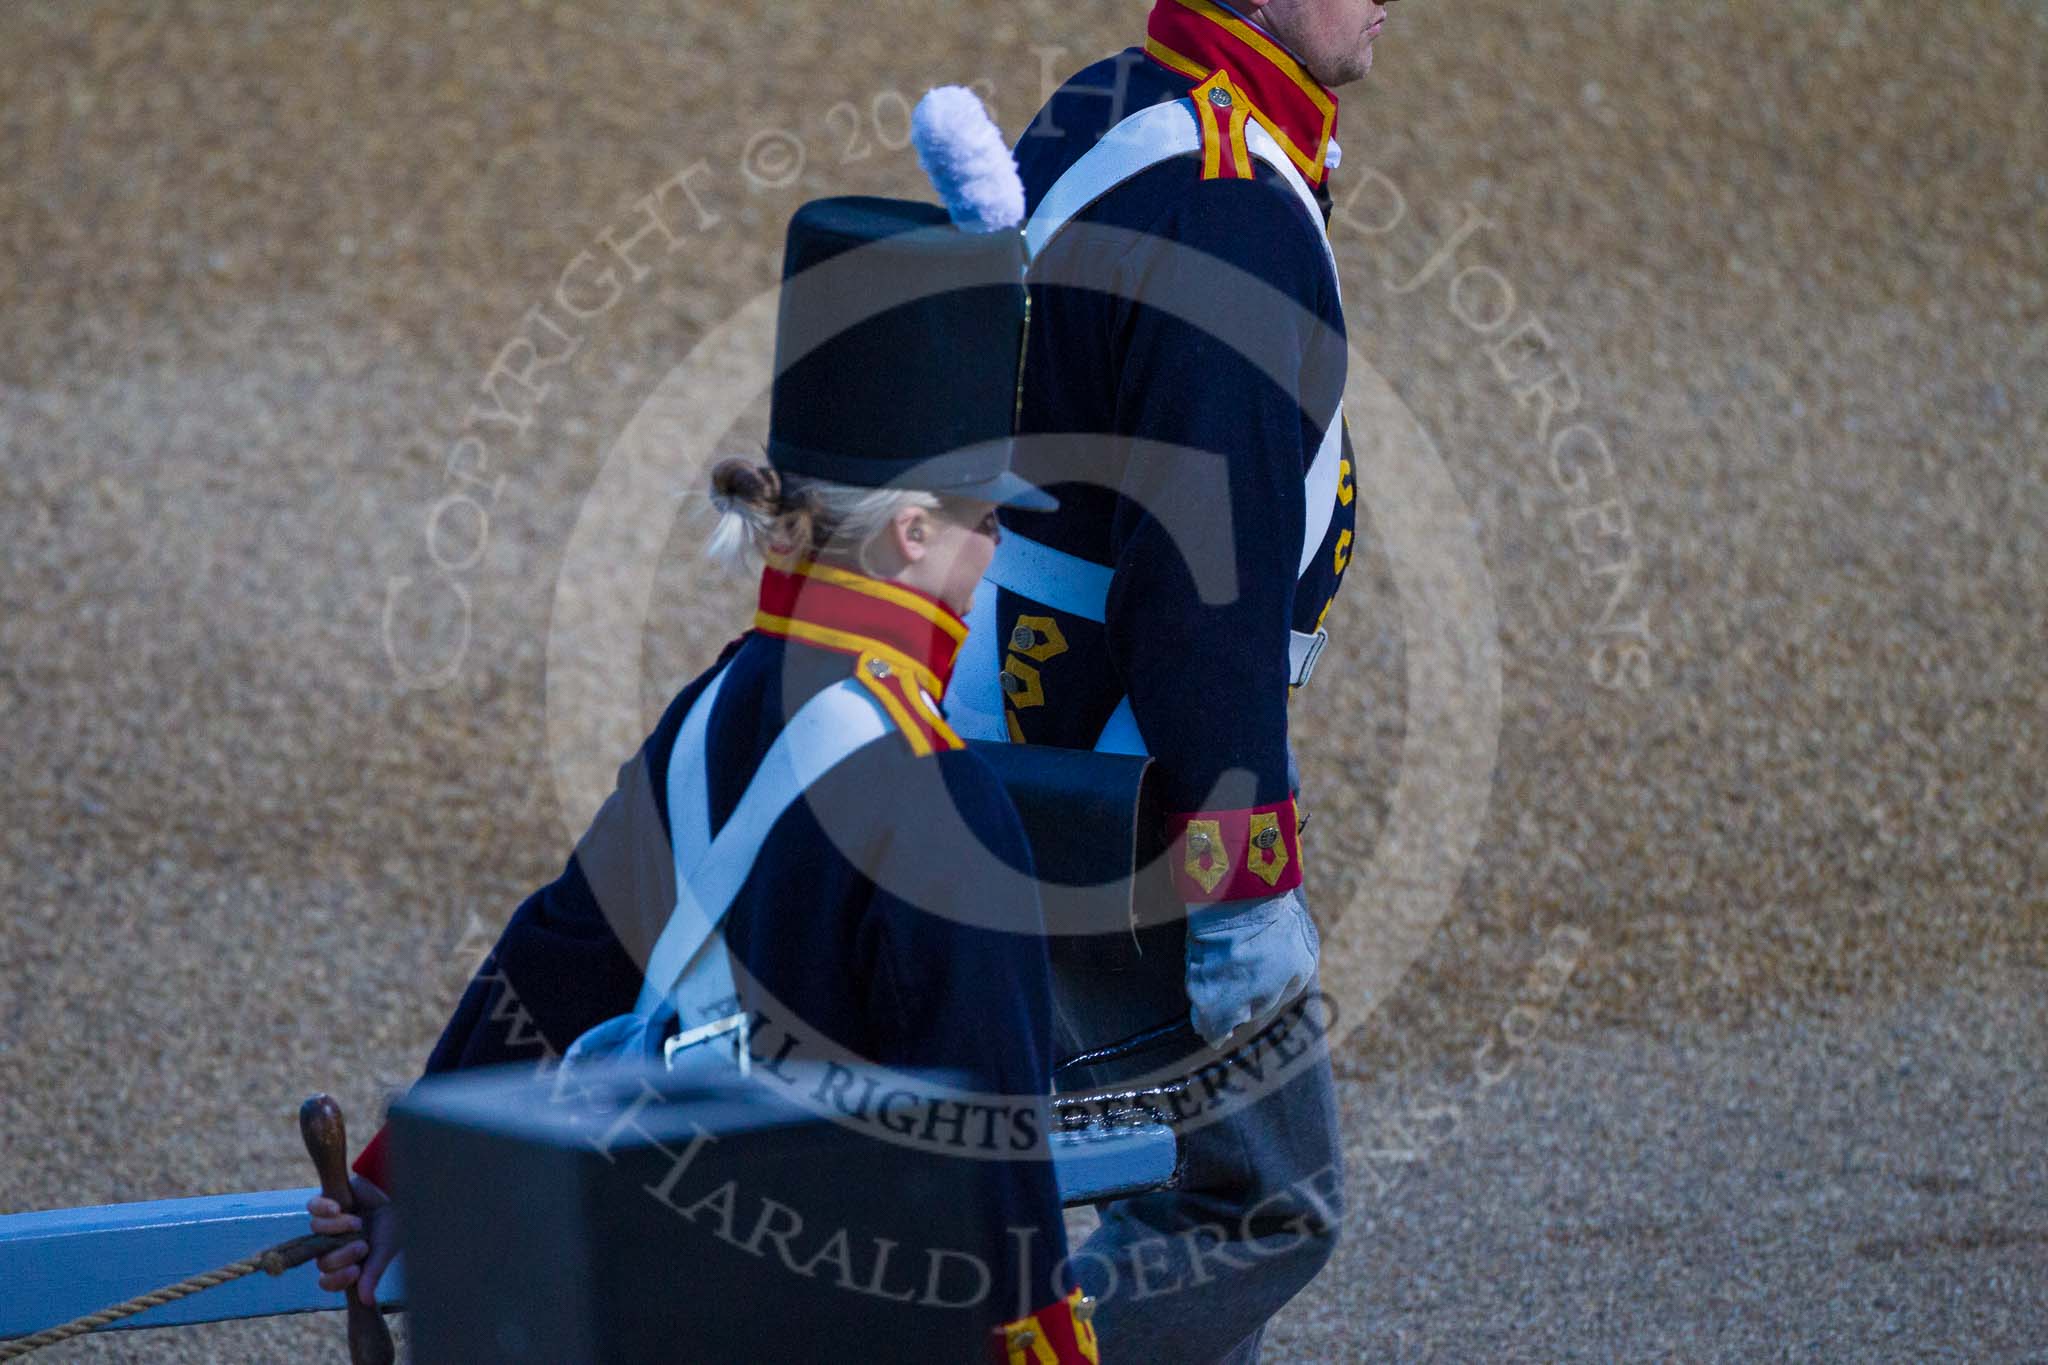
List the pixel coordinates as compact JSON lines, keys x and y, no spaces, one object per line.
{"x":1353,"y":70}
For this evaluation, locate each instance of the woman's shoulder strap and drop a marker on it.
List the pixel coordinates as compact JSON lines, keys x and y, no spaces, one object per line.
{"x":913,"y":711}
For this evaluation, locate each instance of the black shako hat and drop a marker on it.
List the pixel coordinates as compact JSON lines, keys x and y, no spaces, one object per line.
{"x":897,"y":352}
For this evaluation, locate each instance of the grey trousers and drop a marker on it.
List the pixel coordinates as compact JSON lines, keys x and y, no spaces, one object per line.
{"x":1192,"y":1274}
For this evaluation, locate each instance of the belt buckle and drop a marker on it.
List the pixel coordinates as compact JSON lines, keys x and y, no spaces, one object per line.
{"x":1310,"y":649}
{"x":733,"y":1025}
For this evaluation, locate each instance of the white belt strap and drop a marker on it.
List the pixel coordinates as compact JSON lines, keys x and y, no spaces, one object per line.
{"x":689,"y":788}
{"x":1319,"y":492}
{"x":1143,"y":140}
{"x":974,"y":701}
{"x":1064,"y":582}
{"x":689,"y":964}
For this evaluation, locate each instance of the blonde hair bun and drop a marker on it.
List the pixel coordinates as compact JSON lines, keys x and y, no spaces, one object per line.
{"x":761,"y":513}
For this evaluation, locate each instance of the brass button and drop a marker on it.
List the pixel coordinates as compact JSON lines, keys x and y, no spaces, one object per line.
{"x":878,"y":668}
{"x":1011,"y":683}
{"x":1220,"y":97}
{"x":1022,"y":1339}
{"x":1084,"y":1309}
{"x":1198,"y":843}
{"x":1023,"y":637}
{"x":1266,"y":838}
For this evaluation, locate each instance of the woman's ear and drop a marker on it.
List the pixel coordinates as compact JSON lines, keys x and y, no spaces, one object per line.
{"x":910,"y":534}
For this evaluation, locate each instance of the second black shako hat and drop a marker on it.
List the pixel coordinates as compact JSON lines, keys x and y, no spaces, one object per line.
{"x":897,"y":351}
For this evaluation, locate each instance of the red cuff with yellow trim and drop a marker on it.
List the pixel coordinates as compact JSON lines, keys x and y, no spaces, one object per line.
{"x":1231,"y":855}
{"x":1058,"y":1334}
{"x":374,"y":1164}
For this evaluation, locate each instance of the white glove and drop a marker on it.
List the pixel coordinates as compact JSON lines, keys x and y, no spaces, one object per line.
{"x":1246,"y":960}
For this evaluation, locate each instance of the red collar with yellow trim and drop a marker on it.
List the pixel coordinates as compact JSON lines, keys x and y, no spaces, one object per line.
{"x":1199,"y":38}
{"x":851,"y":613}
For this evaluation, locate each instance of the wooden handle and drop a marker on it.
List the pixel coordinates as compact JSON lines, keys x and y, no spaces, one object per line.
{"x":369,"y":1340}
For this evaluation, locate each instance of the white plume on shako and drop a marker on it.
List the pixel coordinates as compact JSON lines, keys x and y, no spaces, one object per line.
{"x":963,"y":152}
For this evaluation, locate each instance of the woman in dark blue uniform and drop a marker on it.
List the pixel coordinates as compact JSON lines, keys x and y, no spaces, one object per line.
{"x":888,"y":912}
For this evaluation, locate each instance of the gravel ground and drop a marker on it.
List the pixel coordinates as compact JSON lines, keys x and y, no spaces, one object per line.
{"x":1753,"y":914}
{"x":1814,"y":1190}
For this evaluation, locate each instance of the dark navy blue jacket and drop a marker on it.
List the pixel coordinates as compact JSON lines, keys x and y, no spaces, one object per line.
{"x":1112,"y":357}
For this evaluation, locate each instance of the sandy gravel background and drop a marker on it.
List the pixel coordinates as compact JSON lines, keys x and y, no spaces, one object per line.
{"x":257,"y":261}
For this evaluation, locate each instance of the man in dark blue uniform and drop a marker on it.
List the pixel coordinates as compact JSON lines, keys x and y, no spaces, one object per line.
{"x":1186,"y":324}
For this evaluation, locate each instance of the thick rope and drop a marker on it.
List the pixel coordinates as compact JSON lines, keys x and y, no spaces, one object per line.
{"x":275,"y":1261}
